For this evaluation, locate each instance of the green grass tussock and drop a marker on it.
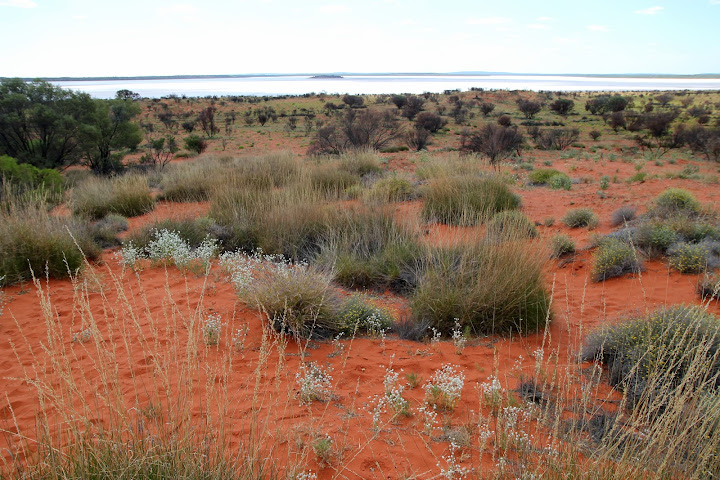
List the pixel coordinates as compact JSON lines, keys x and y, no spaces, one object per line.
{"x":128,"y":195}
{"x":613,"y":258}
{"x":466,"y":200}
{"x":580,"y":217}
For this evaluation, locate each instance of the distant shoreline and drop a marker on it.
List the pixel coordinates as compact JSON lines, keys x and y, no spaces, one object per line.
{"x":344,"y":74}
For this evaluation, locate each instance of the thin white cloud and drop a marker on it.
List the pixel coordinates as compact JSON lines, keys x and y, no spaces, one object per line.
{"x":597,"y":28}
{"x":538,"y":26}
{"x":333,"y":9}
{"x":714,"y":2}
{"x":488,"y":21}
{"x":18,"y":3}
{"x":652,"y":10}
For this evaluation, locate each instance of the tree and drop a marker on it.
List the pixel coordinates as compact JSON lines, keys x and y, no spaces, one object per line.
{"x":364,"y":129}
{"x":195,"y":143}
{"x":111,"y":131}
{"x":417,"y":138}
{"x":125,"y":94}
{"x":557,"y":139}
{"x":605,"y":104}
{"x":40,"y":123}
{"x":206,"y":119}
{"x":528,"y":107}
{"x":399,"y":101}
{"x":413,"y":106}
{"x":354,"y":101}
{"x":562,"y":106}
{"x":704,"y":140}
{"x":496,"y":142}
{"x":430,"y":121}
{"x":486,"y":108}
{"x":161,"y":151}
{"x":658,"y":139}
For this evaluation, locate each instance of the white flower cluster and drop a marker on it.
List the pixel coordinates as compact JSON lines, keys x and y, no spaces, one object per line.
{"x":444,"y":388}
{"x":454,"y":470}
{"x":168,"y":247}
{"x":239,"y":337}
{"x":459,"y":340}
{"x":243,"y":268}
{"x":211,"y":329}
{"x":314,"y":383}
{"x":374,"y":326}
{"x":306,"y":476}
{"x":435,"y":338}
{"x":394,"y":392}
{"x":429,"y":419}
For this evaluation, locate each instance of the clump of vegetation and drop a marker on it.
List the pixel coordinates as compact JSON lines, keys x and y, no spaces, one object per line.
{"x":34,"y":242}
{"x":623,"y":215}
{"x":614,"y":258}
{"x":693,"y":257}
{"x":28,"y":177}
{"x":512,"y":225}
{"x":580,"y":217}
{"x":709,"y":287}
{"x":675,"y":200}
{"x":105,"y":230}
{"x":359,"y":314}
{"x":654,"y":354}
{"x":128,"y":195}
{"x":466,"y":200}
{"x":561,"y":245}
{"x":392,"y":189}
{"x":560,"y":181}
{"x":490,"y":287}
{"x":542,"y":176}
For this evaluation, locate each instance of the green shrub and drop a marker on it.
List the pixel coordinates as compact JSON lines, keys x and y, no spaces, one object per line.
{"x":541,"y":176}
{"x":196,"y":144}
{"x":490,"y":287}
{"x":677,"y":200}
{"x":34,"y":241}
{"x":510,"y":225}
{"x":653,"y":354}
{"x":392,"y":189}
{"x":466,"y":200}
{"x":580,"y":217}
{"x":560,"y":245}
{"x":27,"y":176}
{"x":128,"y":196}
{"x":192,"y":230}
{"x":655,"y":237}
{"x":297,"y":299}
{"x":104,"y":232}
{"x":560,"y":181}
{"x":358,"y":313}
{"x":691,"y":258}
{"x":614,"y":258}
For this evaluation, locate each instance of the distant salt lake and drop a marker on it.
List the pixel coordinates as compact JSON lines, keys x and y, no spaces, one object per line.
{"x":368,"y":84}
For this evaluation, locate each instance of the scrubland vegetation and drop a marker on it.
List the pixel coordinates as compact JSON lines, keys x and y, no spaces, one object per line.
{"x":341,"y":268}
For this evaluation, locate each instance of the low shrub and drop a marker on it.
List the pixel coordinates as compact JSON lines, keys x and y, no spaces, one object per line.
{"x":560,"y":245}
{"x":580,"y":217}
{"x":652,"y":355}
{"x":675,"y":200}
{"x":26,"y":176}
{"x":623,"y":215}
{"x":560,"y":181}
{"x":105,"y":230}
{"x":297,"y":299}
{"x":510,"y":225}
{"x":709,"y":287}
{"x":466,"y":200}
{"x":192,"y":230}
{"x":359,"y":314}
{"x":128,"y":195}
{"x":541,"y":176}
{"x":654,"y":237}
{"x":613,"y":258}
{"x":692,"y":257}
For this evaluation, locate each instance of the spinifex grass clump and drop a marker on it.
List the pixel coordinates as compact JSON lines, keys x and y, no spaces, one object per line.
{"x":510,"y":224}
{"x":370,"y":249}
{"x":675,"y":200}
{"x":541,"y":176}
{"x":128,"y":196}
{"x":466,"y":200}
{"x":33,"y":240}
{"x":560,"y":245}
{"x":492,"y":287}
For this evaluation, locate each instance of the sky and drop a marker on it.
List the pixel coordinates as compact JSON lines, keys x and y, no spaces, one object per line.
{"x":54,"y":38}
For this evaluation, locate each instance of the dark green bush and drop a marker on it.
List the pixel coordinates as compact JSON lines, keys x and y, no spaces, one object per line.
{"x":541,"y":176}
{"x":580,"y":217}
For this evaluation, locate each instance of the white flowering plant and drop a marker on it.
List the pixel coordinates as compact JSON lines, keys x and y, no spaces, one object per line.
{"x":444,"y":388}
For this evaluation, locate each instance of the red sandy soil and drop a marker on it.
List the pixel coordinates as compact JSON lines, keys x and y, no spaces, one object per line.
{"x":260,"y":381}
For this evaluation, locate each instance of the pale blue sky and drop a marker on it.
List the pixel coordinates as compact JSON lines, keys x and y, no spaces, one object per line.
{"x":167,"y":37}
